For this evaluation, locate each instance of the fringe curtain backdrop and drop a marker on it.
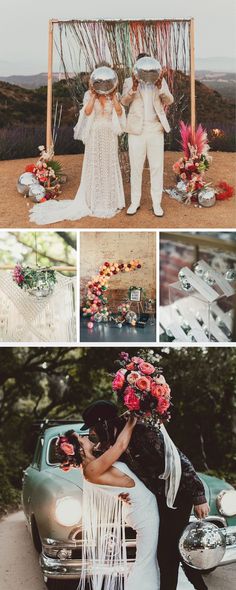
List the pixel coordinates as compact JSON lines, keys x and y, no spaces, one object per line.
{"x":24,"y":318}
{"x":82,"y":45}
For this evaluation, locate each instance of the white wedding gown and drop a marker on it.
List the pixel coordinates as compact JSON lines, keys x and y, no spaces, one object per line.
{"x":101,"y":506}
{"x":101,"y":192}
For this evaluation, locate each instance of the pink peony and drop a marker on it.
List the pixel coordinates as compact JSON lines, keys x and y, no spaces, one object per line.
{"x":162,"y":405}
{"x":146,"y":368}
{"x":130,"y":366}
{"x":166,"y":391}
{"x":124,"y":356}
{"x":132,"y":377}
{"x":131,"y":401}
{"x":143,"y":383}
{"x":118,"y":381}
{"x":156,"y":389}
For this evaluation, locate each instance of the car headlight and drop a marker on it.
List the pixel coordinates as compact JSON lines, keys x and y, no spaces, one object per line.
{"x":226,"y":502}
{"x":68,"y":511}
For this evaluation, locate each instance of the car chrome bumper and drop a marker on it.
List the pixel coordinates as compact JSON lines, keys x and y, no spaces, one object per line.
{"x":230,"y":553}
{"x":70,"y":568}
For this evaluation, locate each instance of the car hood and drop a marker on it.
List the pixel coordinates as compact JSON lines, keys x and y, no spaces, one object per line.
{"x":73,"y":476}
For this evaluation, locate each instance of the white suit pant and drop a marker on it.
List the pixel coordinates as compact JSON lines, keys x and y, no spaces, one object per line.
{"x":150,"y":144}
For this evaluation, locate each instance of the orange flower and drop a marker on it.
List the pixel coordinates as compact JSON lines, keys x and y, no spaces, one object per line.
{"x":143,"y":383}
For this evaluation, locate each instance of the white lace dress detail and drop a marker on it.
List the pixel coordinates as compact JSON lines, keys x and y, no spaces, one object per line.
{"x":101,"y":192}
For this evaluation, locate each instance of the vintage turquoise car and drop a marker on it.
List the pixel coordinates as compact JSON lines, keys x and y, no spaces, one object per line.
{"x":52,"y":503}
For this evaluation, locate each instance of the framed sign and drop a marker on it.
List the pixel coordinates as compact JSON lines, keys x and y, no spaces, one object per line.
{"x":135,"y":294}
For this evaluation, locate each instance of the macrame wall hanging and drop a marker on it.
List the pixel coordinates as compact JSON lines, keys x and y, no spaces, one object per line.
{"x":81,"y":45}
{"x":40,"y":307}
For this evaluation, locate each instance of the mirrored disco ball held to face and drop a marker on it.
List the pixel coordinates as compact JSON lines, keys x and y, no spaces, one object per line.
{"x":104,"y":80}
{"x":147,"y":69}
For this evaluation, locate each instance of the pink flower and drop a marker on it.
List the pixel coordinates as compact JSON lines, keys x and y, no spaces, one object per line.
{"x":156,"y":389}
{"x":67,"y":448}
{"x":162,"y":405}
{"x":131,"y":401}
{"x":132,"y":377}
{"x":183,"y":176}
{"x":136,"y":359}
{"x":124,"y":356}
{"x":130,"y":366}
{"x":166,"y":391}
{"x":143,"y":383}
{"x":146,"y":368}
{"x":118,"y":381}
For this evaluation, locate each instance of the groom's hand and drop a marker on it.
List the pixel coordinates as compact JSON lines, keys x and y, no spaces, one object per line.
{"x":202,"y":510}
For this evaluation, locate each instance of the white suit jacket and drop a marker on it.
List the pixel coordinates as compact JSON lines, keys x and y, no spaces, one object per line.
{"x":135,"y":119}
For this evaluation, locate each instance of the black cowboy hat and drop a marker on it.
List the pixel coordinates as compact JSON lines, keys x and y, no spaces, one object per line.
{"x":98,"y":412}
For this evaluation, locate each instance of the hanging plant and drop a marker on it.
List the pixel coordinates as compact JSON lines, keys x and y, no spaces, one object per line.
{"x":38,"y":281}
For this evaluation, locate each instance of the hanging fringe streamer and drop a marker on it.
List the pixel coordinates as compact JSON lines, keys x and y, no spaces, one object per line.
{"x":84,"y":44}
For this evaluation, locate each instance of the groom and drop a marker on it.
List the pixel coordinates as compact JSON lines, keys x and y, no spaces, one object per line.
{"x":146,"y":123}
{"x":145,"y":457}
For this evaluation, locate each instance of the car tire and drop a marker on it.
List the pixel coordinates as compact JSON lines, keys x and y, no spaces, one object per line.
{"x":35,"y":535}
{"x":62,"y":584}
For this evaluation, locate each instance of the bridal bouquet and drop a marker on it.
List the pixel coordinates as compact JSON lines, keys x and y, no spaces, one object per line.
{"x":142,"y":389}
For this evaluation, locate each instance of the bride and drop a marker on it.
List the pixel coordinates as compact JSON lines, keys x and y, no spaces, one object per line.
{"x":105,"y":478}
{"x":101,"y":192}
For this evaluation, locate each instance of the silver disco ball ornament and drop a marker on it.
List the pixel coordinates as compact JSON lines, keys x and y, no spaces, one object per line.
{"x":184,"y":281}
{"x":43,"y":284}
{"x":147,"y":69}
{"x":24,"y":182}
{"x":198,"y":270}
{"x":206,"y":197}
{"x":182,"y":186}
{"x":230,"y":275}
{"x":37,"y":192}
{"x":98,"y":317}
{"x":104,"y":80}
{"x":131,"y":316}
{"x":202,"y":545}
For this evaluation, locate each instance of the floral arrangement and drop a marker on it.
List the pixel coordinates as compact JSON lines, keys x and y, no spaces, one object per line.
{"x":48,"y":173}
{"x":123,"y":309}
{"x":96,"y":301}
{"x":141,"y":387}
{"x":191,"y":167}
{"x":30,"y":278}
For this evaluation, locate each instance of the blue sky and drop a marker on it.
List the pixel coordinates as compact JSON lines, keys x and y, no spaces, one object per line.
{"x":23,"y":27}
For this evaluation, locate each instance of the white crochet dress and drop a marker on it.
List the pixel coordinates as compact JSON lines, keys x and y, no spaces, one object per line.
{"x":101,"y":192}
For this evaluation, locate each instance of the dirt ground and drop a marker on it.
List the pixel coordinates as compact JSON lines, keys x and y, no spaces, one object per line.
{"x":14,"y":208}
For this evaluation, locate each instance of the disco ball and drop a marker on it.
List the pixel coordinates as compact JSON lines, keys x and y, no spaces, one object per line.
{"x":24,"y":182}
{"x":37,"y":191}
{"x":147,"y":69}
{"x":130,"y":317}
{"x":202,"y":545}
{"x":206,"y":197}
{"x":104,"y":80}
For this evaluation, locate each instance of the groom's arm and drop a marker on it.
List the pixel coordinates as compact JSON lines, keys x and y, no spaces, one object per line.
{"x":165,"y":94}
{"x":190,"y":482}
{"x":127,"y":93}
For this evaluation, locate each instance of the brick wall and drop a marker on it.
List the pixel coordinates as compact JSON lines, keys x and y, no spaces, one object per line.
{"x":98,"y":247}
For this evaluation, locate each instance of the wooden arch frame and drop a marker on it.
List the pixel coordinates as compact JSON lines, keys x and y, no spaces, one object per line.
{"x":51,"y":25}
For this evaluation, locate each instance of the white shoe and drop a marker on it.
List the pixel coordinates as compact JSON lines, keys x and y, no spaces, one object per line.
{"x":132,"y":209}
{"x":158,"y":211}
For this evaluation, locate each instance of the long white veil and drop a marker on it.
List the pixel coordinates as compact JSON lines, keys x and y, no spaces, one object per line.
{"x":173,"y":470}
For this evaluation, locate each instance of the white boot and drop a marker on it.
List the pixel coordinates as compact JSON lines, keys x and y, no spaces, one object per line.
{"x":133,"y":208}
{"x":158,"y":211}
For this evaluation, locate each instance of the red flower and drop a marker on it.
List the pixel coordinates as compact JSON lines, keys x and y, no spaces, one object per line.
{"x":131,"y":401}
{"x":130,"y":366}
{"x":118,"y":382}
{"x":30,"y":168}
{"x":163,"y":405}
